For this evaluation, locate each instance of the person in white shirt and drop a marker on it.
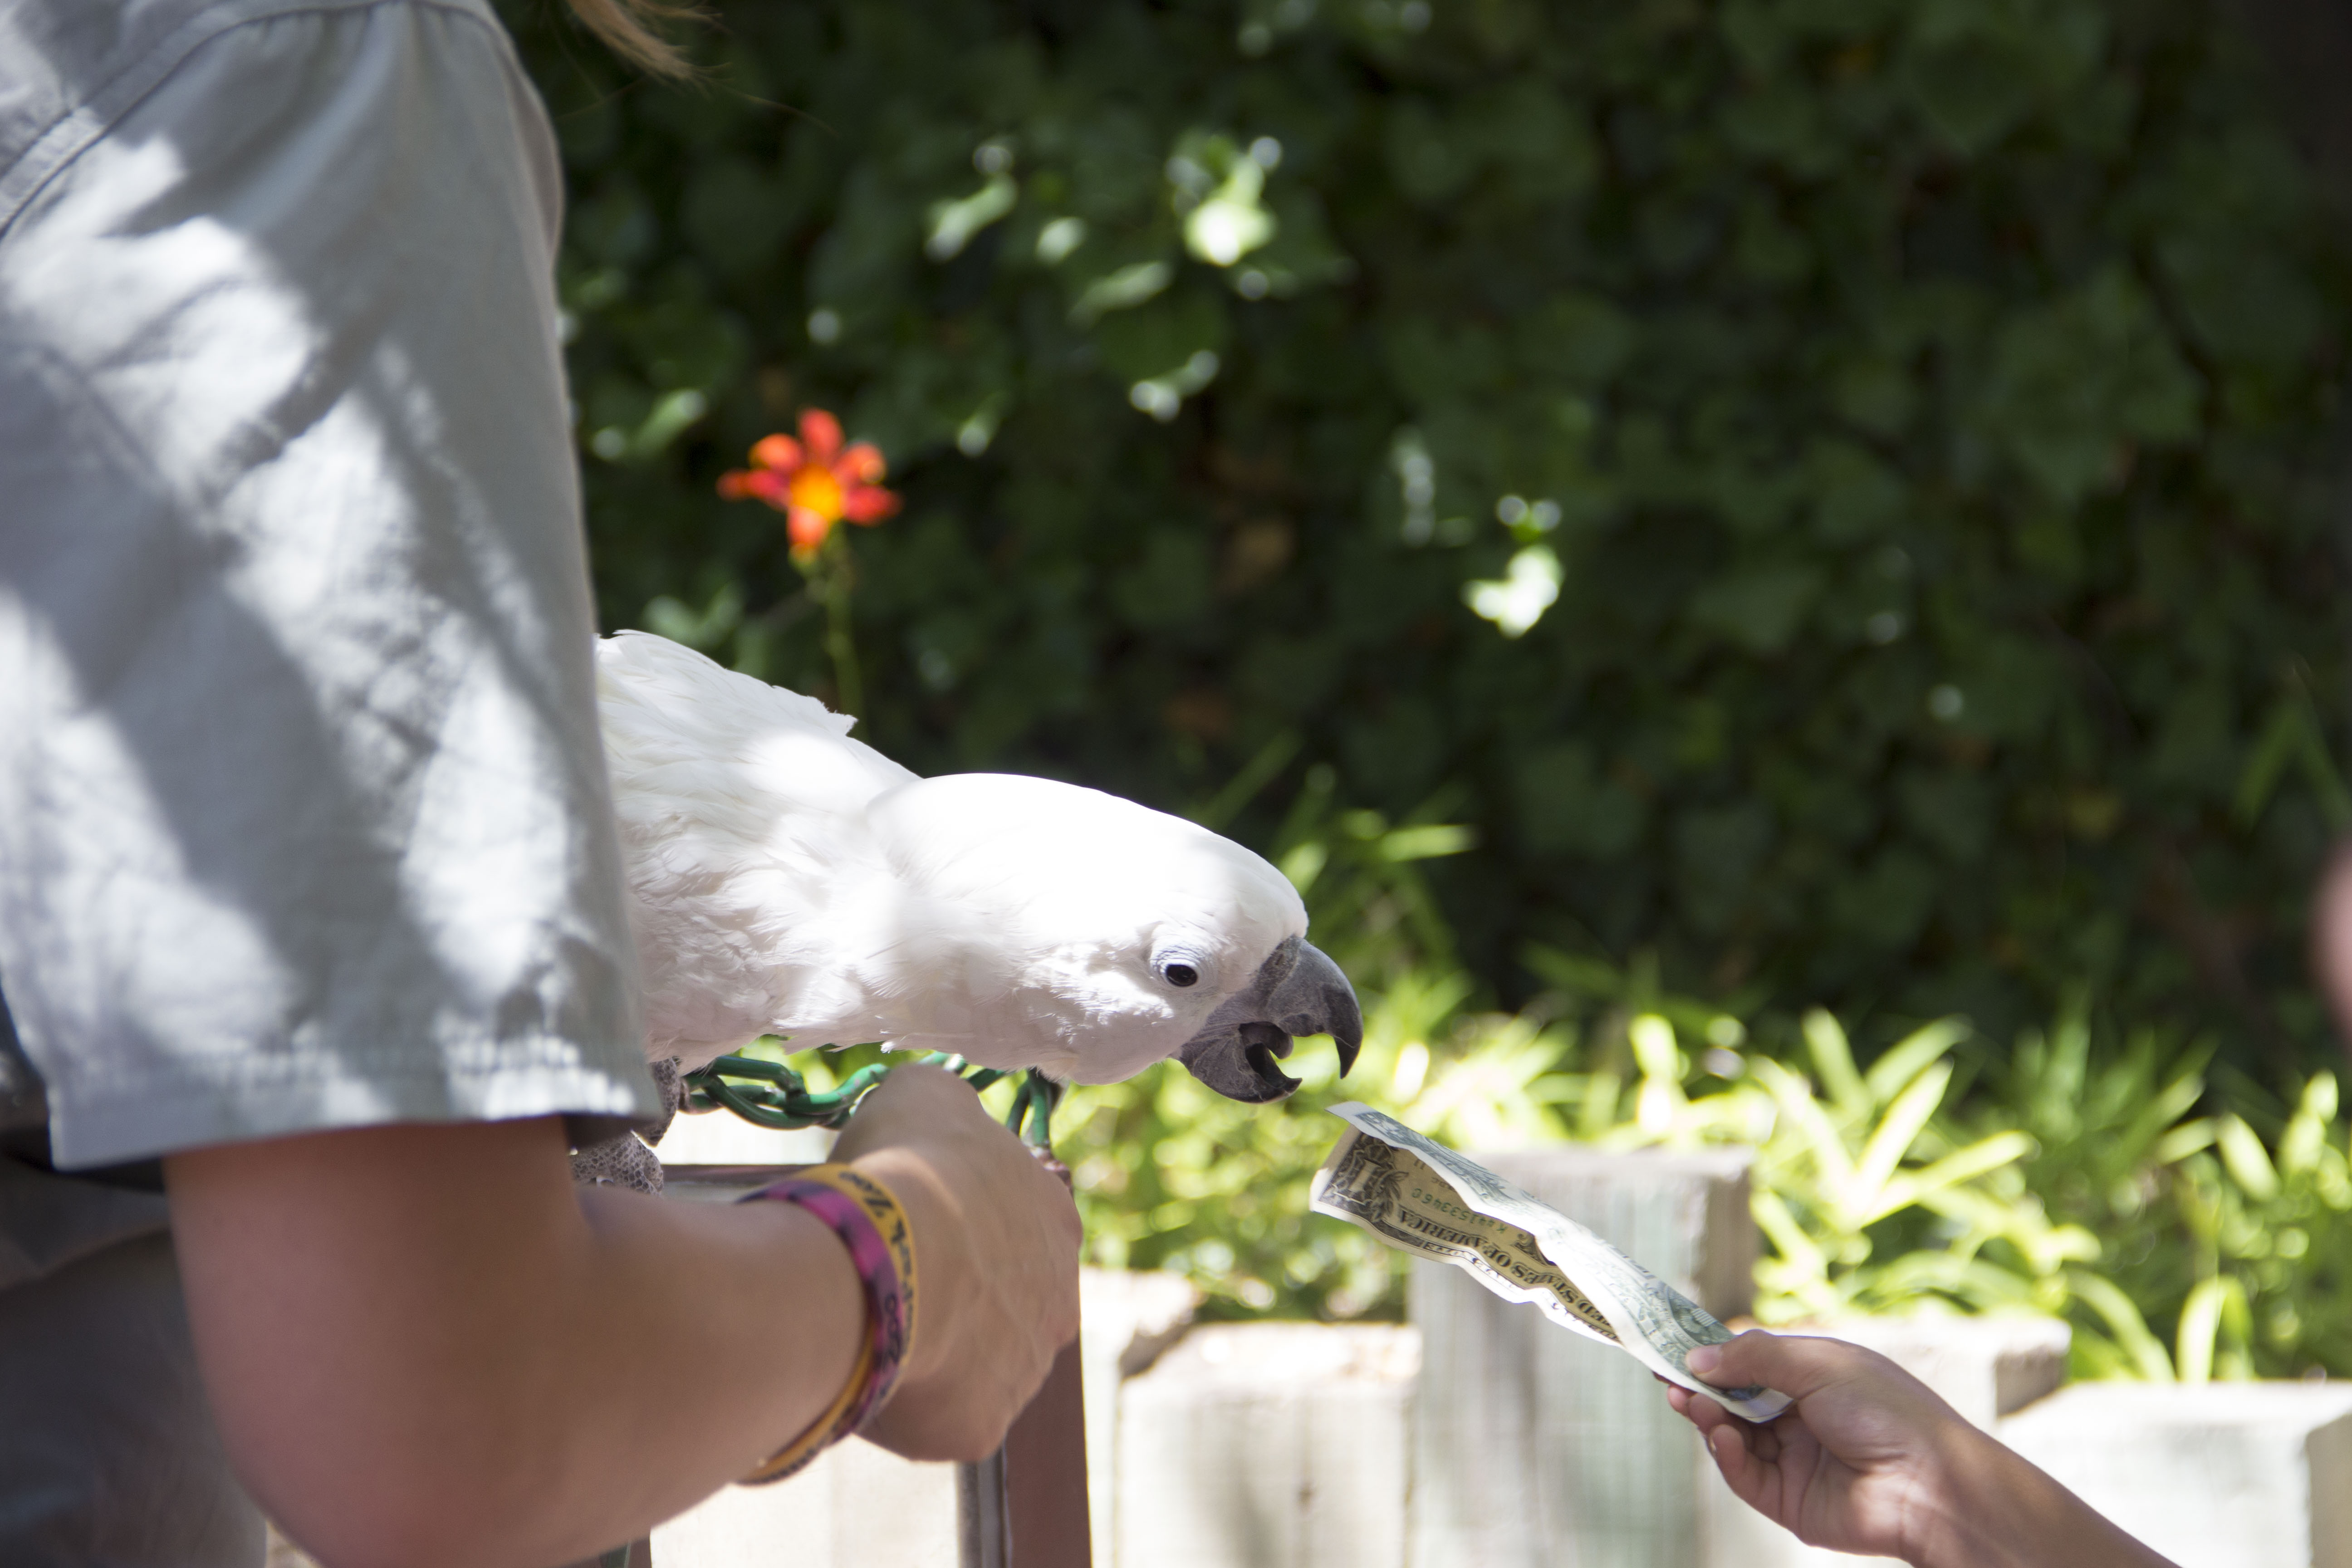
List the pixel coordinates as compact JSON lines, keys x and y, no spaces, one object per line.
{"x":311,"y":921}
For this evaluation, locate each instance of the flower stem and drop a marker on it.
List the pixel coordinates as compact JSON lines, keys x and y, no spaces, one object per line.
{"x":833,"y":577}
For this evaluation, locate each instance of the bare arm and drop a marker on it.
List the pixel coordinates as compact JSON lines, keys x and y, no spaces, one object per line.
{"x":2331,"y":935}
{"x":1869,"y":1460}
{"x":425,"y":1345}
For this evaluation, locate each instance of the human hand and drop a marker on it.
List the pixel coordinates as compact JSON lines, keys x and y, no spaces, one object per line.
{"x":1869,"y":1460}
{"x":996,"y":1250}
{"x":1864,"y":1460}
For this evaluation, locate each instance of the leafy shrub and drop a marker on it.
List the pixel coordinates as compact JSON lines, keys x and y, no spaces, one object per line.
{"x":1814,"y":487}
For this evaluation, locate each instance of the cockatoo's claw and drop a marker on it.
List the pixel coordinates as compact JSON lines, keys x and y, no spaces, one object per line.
{"x":626,"y":1159}
{"x":622,"y":1160}
{"x":1297,"y":991}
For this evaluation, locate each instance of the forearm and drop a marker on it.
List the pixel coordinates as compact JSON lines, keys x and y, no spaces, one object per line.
{"x":1869,"y":1460}
{"x":425,"y":1345}
{"x":1996,"y":1509}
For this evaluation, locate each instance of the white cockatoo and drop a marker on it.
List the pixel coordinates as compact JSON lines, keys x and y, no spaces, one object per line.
{"x":786,"y":878}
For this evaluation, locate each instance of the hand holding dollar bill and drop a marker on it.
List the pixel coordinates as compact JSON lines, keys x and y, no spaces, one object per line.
{"x":1423,"y":1197}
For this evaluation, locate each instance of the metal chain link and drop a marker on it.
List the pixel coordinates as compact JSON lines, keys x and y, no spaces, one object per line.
{"x":770,"y":1094}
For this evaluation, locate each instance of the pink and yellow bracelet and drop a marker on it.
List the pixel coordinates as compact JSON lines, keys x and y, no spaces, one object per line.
{"x":863,"y":1213}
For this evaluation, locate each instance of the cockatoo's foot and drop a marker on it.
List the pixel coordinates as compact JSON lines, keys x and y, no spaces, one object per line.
{"x":671,"y":1087}
{"x":626,"y":1159}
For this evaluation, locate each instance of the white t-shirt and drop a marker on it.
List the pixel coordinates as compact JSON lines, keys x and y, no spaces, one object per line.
{"x":303,"y":815}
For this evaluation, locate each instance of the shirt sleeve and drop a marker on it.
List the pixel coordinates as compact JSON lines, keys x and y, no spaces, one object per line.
{"x":304,"y":821}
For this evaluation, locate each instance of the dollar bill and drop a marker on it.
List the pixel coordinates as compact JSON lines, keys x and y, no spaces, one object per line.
{"x":1423,"y":1198}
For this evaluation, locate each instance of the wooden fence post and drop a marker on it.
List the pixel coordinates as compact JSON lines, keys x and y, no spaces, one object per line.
{"x":1025,"y":1505}
{"x":1535,"y":1448}
{"x":1269,"y":1446}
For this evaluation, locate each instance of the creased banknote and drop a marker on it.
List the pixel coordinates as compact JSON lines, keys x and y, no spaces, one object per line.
{"x":1424,"y":1198}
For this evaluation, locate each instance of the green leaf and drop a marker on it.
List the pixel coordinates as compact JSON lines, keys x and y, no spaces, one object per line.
{"x":2202,"y":1317}
{"x":1162,"y":336}
{"x":1962,"y":1165}
{"x":2125,"y":1322}
{"x":1427,"y":843}
{"x":1890,"y":1142}
{"x":1910,"y":1055}
{"x":1566,"y":806}
{"x":953,"y":223}
{"x":1833,"y":1059}
{"x":2243,"y":1156}
{"x":2306,"y":1132}
{"x":1120,"y":289}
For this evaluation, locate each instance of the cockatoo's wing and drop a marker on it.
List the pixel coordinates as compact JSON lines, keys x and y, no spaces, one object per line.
{"x":742,"y":808}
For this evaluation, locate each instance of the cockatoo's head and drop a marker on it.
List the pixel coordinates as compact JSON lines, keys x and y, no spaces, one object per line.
{"x":1069,"y":930}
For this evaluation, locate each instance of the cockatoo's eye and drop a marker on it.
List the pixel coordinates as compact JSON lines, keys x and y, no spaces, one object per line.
{"x":1180,"y":975}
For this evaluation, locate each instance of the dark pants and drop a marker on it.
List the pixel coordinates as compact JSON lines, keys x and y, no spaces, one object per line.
{"x":108,"y":1458}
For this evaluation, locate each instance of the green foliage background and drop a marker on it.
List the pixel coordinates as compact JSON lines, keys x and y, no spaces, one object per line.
{"x":1921,"y":402}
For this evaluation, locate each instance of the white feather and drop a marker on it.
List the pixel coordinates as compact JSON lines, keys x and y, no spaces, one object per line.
{"x":786,"y":878}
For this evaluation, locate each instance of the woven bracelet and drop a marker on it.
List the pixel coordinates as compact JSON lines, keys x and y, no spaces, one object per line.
{"x":863,"y":1213}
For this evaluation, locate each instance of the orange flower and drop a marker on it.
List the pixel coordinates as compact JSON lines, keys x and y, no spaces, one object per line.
{"x":815,"y":481}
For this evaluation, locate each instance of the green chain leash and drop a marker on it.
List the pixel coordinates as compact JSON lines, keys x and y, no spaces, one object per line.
{"x":770,"y":1094}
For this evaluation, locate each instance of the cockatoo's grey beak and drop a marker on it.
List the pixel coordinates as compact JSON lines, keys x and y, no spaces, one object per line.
{"x":1296,"y":991}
